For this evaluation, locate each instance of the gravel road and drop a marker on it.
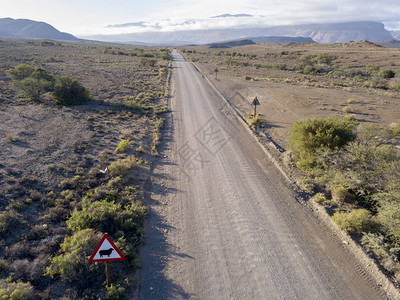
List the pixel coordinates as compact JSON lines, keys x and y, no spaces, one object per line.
{"x":223,"y":223}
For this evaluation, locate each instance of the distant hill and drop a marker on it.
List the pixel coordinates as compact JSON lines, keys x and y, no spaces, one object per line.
{"x":261,"y":40}
{"x":24,"y":28}
{"x":320,"y":33}
{"x":281,"y":40}
{"x":230,"y":44}
{"x":389,"y":44}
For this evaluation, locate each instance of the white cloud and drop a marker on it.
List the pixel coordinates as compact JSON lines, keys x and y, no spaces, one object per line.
{"x":92,"y":16}
{"x":178,"y":24}
{"x":195,"y":14}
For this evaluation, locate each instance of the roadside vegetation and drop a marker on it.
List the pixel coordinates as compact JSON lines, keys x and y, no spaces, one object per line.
{"x":347,"y":150}
{"x":358,"y":169}
{"x":32,"y":82}
{"x":341,"y":65}
{"x":81,"y":128}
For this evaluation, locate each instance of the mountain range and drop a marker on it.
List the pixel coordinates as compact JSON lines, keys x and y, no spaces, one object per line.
{"x":261,"y":40}
{"x":24,"y":28}
{"x":320,"y":33}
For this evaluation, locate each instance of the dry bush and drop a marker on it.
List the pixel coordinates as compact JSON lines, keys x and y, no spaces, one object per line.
{"x":356,"y":221}
{"x":320,"y":199}
{"x":340,"y":194}
{"x":122,"y":166}
{"x":123,"y":146}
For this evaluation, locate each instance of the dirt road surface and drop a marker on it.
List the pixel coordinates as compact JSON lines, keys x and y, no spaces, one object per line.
{"x":223,"y":223}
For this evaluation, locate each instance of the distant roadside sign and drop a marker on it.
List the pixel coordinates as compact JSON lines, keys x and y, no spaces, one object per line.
{"x":255,"y":102}
{"x":106,"y":251}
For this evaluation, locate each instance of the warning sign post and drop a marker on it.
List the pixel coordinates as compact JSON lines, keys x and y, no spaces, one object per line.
{"x":106,"y":251}
{"x":255,"y":103}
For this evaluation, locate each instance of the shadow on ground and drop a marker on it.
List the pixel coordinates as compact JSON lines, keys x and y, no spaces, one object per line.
{"x":156,"y":251}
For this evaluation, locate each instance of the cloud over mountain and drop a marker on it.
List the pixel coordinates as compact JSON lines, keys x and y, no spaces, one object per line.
{"x":322,"y":33}
{"x":179,"y":24}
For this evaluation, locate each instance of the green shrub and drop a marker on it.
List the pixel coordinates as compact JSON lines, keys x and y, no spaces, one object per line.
{"x":72,"y":262}
{"x":309,"y":136}
{"x":389,"y":213}
{"x":377,"y":83}
{"x":116,"y":292}
{"x":106,"y":217}
{"x":69,"y":92}
{"x":9,"y":219}
{"x":325,"y":58}
{"x":109,"y":50}
{"x":123,"y":146}
{"x":356,"y":221}
{"x":159,"y":124}
{"x":308,"y":69}
{"x":372,"y":69}
{"x":147,"y":55}
{"x":305,"y":64}
{"x":31,"y":82}
{"x":387,"y":74}
{"x":155,"y":143}
{"x":255,"y":121}
{"x":340,"y":194}
{"x":148,"y":62}
{"x":15,"y":290}
{"x":47,"y":43}
{"x":129,"y":248}
{"x":377,"y":135}
{"x":395,"y":86}
{"x":122,"y":166}
{"x":280,"y":66}
{"x":320,"y":199}
{"x":376,"y":243}
{"x":367,"y":166}
{"x":115,"y":182}
{"x":21,"y":72}
{"x":133,"y":105}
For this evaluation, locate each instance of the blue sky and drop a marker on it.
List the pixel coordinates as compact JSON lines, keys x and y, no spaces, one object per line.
{"x":88,"y":17}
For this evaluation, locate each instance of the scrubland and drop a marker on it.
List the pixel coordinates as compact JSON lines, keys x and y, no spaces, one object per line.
{"x":71,"y":171}
{"x":333,"y":113}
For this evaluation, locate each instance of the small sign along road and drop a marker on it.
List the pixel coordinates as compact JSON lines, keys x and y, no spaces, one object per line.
{"x":106,"y":251}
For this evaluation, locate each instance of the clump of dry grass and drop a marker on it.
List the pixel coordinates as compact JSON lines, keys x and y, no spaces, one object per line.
{"x":347,"y":109}
{"x":123,"y":146}
{"x":121,"y":167}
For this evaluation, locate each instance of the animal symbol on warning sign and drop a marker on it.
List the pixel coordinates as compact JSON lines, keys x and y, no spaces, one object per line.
{"x":106,"y":252}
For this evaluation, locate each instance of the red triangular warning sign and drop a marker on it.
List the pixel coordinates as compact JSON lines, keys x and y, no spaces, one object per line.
{"x":106,"y":251}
